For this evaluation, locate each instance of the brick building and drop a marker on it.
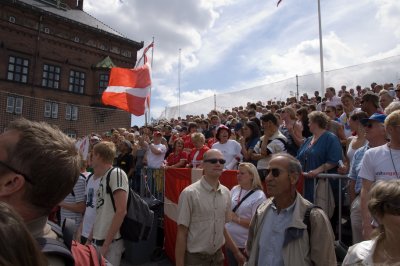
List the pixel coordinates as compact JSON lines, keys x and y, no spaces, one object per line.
{"x":54,"y":64}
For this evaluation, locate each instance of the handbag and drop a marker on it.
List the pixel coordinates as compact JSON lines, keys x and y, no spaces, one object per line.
{"x":324,"y":197}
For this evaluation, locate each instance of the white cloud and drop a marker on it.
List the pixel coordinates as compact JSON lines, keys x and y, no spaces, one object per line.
{"x":388,"y":15}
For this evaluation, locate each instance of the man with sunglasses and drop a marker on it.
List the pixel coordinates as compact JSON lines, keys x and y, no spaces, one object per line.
{"x":379,"y":164}
{"x":203,"y":209}
{"x":278,"y":234}
{"x":39,"y":166}
{"x":376,"y":136}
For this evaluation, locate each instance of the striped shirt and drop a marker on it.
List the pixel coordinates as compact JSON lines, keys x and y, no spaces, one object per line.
{"x":77,"y":195}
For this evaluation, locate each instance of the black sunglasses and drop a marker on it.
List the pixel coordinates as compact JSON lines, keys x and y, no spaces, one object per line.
{"x":274,"y":171}
{"x":368,"y":125}
{"x":214,"y":161}
{"x":12,"y":169}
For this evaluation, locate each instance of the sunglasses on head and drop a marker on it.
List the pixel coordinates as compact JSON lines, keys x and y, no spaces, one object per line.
{"x":368,"y":125}
{"x":274,"y":171}
{"x":214,"y":161}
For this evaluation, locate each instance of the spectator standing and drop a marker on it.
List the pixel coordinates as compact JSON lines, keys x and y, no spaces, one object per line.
{"x":291,"y":130}
{"x":370,"y":103}
{"x":138,"y":154}
{"x":109,"y":214}
{"x":33,"y":182}
{"x":203,"y":209}
{"x":229,"y":148}
{"x":277,"y":234}
{"x":156,"y":152}
{"x":273,"y":141}
{"x":320,"y":153}
{"x":73,"y":206}
{"x":380,"y":163}
{"x":385,"y":99}
{"x":17,"y":246}
{"x":178,"y":157}
{"x":331,"y":98}
{"x":196,"y":155}
{"x":245,"y":198}
{"x":125,"y":158}
{"x":383,"y":249}
{"x":251,"y":135}
{"x":348,"y":110}
{"x":376,"y":136}
{"x":302,"y":122}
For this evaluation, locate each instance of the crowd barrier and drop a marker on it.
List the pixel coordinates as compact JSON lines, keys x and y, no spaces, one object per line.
{"x":167,"y":184}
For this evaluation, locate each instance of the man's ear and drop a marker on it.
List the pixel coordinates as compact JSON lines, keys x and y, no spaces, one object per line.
{"x":11,"y":183}
{"x":293,"y":178}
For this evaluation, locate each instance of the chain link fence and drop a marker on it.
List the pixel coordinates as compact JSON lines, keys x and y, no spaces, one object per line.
{"x":380,"y":71}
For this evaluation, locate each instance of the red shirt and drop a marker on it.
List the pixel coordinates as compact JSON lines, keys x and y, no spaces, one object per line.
{"x":196,"y":161}
{"x":176,"y":158}
{"x":211,"y":141}
{"x":187,"y":142}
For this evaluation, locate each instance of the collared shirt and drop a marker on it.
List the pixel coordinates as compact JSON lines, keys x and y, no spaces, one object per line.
{"x":273,"y":235}
{"x":204,"y":210}
{"x":355,"y":167}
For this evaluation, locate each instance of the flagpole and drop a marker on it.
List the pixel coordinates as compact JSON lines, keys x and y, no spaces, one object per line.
{"x":321,"y":50}
{"x":151,"y":65}
{"x":179,"y":83}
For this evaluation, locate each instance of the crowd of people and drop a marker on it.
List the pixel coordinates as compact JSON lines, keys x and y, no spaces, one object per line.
{"x":278,"y":149}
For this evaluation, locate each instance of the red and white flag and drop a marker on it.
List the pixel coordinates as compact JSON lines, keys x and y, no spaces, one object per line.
{"x":129,"y":89}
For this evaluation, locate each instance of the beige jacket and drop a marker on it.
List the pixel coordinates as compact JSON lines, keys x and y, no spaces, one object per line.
{"x":297,"y":251}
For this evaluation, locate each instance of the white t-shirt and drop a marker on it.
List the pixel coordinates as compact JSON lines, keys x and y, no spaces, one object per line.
{"x":156,"y":160}
{"x":104,"y":208}
{"x":378,"y":164}
{"x":91,"y":198}
{"x":334,"y":101}
{"x":246,"y":211}
{"x":231,"y":149}
{"x":275,"y":146}
{"x":344,"y":120}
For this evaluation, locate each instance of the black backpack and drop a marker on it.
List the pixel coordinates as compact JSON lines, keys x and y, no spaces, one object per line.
{"x":138,"y":221}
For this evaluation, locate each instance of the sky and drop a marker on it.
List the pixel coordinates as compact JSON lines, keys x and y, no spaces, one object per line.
{"x":233,"y":45}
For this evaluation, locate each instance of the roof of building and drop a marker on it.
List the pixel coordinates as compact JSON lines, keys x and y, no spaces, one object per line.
{"x":105,"y":63}
{"x":74,"y":15}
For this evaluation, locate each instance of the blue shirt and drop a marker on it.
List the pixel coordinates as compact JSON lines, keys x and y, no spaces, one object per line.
{"x":355,"y":167}
{"x":273,"y":235}
{"x":327,"y":149}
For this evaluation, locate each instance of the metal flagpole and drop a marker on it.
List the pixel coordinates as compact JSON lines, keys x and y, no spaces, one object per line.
{"x":321,"y":50}
{"x":179,"y":83}
{"x":151,"y":65}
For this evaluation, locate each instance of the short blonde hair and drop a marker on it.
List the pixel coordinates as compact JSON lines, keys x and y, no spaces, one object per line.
{"x":393,"y":106}
{"x":290,"y":111}
{"x":198,"y":137}
{"x":106,"y":150}
{"x":319,"y":118}
{"x":252,"y":170}
{"x":393,"y":119}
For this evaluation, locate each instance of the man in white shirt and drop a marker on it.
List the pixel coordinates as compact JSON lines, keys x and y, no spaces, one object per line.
{"x":156,"y":152}
{"x":331,"y":98}
{"x":379,"y":163}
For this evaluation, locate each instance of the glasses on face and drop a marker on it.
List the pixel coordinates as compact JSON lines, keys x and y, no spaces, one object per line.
{"x":12,"y":169}
{"x":214,"y":161}
{"x":369,"y":125}
{"x":274,"y":171}
{"x":328,"y":111}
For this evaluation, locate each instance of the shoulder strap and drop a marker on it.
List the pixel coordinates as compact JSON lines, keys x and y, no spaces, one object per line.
{"x":243,"y":199}
{"x":55,"y":247}
{"x":89,"y":176}
{"x":306,"y":219}
{"x":108,"y":188}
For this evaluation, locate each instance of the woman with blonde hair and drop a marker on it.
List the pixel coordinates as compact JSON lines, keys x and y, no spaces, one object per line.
{"x":246,"y":197}
{"x":383,"y":249}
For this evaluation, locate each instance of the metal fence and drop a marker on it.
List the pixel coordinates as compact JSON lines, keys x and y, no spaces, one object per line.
{"x":380,"y":71}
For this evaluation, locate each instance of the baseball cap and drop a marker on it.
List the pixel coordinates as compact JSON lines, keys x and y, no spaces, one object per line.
{"x":157,"y":133}
{"x":375,"y":117}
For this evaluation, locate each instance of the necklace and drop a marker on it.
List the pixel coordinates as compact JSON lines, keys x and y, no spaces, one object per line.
{"x":394,"y":166}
